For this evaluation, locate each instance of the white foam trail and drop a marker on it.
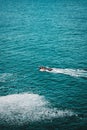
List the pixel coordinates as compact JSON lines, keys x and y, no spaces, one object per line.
{"x":6,"y":76}
{"x":71,"y":72}
{"x":18,"y":109}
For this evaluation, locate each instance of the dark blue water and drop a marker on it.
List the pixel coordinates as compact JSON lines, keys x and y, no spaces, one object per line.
{"x":49,"y":33}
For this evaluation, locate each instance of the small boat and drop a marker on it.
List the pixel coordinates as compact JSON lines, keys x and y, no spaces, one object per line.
{"x":42,"y":68}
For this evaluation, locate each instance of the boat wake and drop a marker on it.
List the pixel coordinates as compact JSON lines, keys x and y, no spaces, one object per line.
{"x":7,"y":77}
{"x":19,"y":109}
{"x":71,"y":72}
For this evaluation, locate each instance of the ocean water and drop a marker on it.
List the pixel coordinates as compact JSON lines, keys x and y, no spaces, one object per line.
{"x":50,"y":33}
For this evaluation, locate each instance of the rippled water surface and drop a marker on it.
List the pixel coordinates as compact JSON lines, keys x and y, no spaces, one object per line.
{"x":50,"y":33}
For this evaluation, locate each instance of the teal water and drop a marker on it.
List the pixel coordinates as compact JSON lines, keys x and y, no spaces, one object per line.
{"x":49,"y":33}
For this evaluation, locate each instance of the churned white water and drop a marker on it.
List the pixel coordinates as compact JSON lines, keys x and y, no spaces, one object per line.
{"x":71,"y":72}
{"x":18,"y":109}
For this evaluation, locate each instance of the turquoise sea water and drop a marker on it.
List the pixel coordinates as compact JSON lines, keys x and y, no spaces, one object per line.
{"x":49,"y":33}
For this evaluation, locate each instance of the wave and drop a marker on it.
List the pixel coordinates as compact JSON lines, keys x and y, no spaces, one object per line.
{"x":71,"y":72}
{"x":18,"y":109}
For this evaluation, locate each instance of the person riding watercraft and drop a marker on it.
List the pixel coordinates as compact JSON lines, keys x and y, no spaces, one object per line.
{"x":42,"y":68}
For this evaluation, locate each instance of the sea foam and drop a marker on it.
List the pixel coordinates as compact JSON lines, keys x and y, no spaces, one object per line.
{"x":71,"y":72}
{"x":18,"y":109}
{"x":6,"y":77}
